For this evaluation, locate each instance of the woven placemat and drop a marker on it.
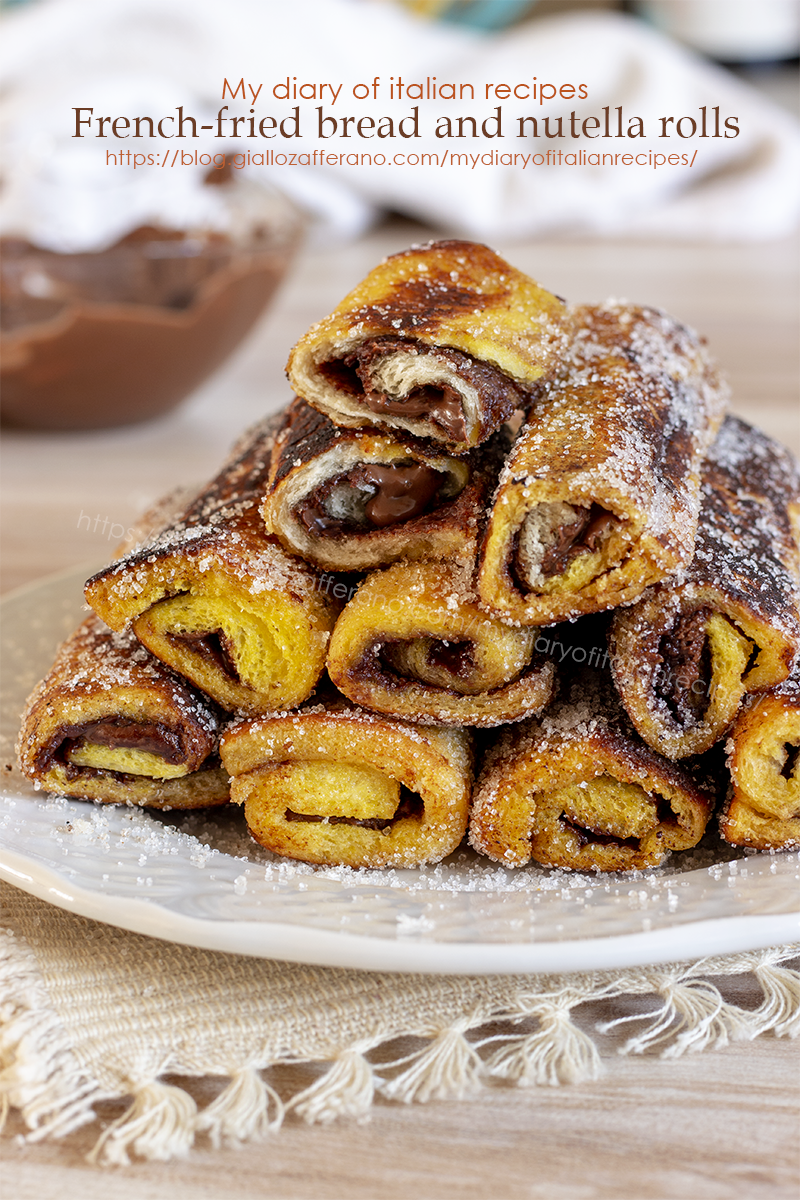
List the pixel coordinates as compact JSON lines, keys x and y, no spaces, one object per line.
{"x":89,"y":1013}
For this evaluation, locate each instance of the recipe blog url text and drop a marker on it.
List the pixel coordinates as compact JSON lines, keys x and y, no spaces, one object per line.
{"x":319,"y":158}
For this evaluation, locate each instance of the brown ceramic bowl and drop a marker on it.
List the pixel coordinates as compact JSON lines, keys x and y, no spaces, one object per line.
{"x":100,"y":339}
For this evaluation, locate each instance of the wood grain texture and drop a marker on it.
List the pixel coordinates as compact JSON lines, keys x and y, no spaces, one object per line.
{"x":718,"y":1126}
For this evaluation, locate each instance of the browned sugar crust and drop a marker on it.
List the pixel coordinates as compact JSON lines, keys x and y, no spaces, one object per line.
{"x":622,"y":430}
{"x":581,"y":742}
{"x":413,"y":643}
{"x":409,"y":799}
{"x":452,"y":307}
{"x":216,"y":572}
{"x":747,"y":545}
{"x":104,"y":687}
{"x":312,"y":455}
{"x":680,"y":691}
{"x":226,"y":510}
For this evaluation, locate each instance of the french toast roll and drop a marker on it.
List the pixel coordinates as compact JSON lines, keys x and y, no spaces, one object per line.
{"x":763,"y":750}
{"x":219,"y":600}
{"x":109,"y":722}
{"x":599,"y":497}
{"x":578,"y":789}
{"x":351,"y":500}
{"x":690,"y":649}
{"x":413,"y":643}
{"x":443,"y":341}
{"x":337,"y":785}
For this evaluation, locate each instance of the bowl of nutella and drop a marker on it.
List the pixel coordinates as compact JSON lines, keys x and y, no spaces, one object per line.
{"x":109,"y":337}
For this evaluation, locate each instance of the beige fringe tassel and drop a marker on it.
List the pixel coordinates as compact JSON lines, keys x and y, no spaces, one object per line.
{"x":40,"y":1076}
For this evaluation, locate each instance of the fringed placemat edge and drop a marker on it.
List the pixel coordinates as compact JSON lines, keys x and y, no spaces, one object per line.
{"x":41,"y":1076}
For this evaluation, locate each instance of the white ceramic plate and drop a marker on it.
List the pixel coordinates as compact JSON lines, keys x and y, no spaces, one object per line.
{"x":197,"y":878}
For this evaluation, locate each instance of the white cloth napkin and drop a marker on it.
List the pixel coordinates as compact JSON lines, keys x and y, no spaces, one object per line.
{"x":106,"y":54}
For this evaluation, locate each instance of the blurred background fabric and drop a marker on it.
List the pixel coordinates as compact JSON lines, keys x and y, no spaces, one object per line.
{"x":148,"y":57}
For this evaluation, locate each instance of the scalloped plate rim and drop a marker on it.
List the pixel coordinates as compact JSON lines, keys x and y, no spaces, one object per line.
{"x":322,"y":947}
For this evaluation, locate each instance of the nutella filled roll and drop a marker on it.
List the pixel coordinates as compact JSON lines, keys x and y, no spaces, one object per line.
{"x":763,"y":807}
{"x":579,"y":789}
{"x":600,"y":495}
{"x":109,"y":722}
{"x":217,"y":599}
{"x":413,"y":643}
{"x":332,"y":784}
{"x":686,"y":654}
{"x":351,"y":500}
{"x":442,"y":341}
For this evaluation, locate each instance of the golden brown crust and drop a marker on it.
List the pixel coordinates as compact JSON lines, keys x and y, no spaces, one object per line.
{"x":684,"y":656}
{"x":107,"y":700}
{"x":324,"y":487}
{"x":449,"y":316}
{"x":219,"y":600}
{"x":340,"y":786}
{"x":600,"y":495}
{"x":763,"y":808}
{"x":578,"y":789}
{"x":414,"y":643}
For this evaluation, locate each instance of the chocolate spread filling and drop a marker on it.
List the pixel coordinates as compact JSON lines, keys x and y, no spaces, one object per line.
{"x":214,"y":646}
{"x":410,"y":806}
{"x":151,"y":737}
{"x":789,"y":768}
{"x":438,"y":403}
{"x":394,"y":492}
{"x":582,"y":534}
{"x":402,"y":492}
{"x":595,"y":837}
{"x":683,"y":679}
{"x":456,"y":657}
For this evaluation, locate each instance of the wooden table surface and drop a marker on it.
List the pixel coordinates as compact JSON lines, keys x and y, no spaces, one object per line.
{"x":707,"y":1127}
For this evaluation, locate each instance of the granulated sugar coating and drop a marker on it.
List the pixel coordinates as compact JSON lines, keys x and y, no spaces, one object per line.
{"x":219,"y":600}
{"x":463,"y":871}
{"x":413,"y":642}
{"x":204,"y":839}
{"x":220,"y":527}
{"x":685,"y":655}
{"x":614,"y":408}
{"x":111,"y":722}
{"x":600,"y":495}
{"x":154,"y":871}
{"x":450,"y":320}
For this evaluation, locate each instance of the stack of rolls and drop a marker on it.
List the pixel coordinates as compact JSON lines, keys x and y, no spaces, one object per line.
{"x":484,"y":510}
